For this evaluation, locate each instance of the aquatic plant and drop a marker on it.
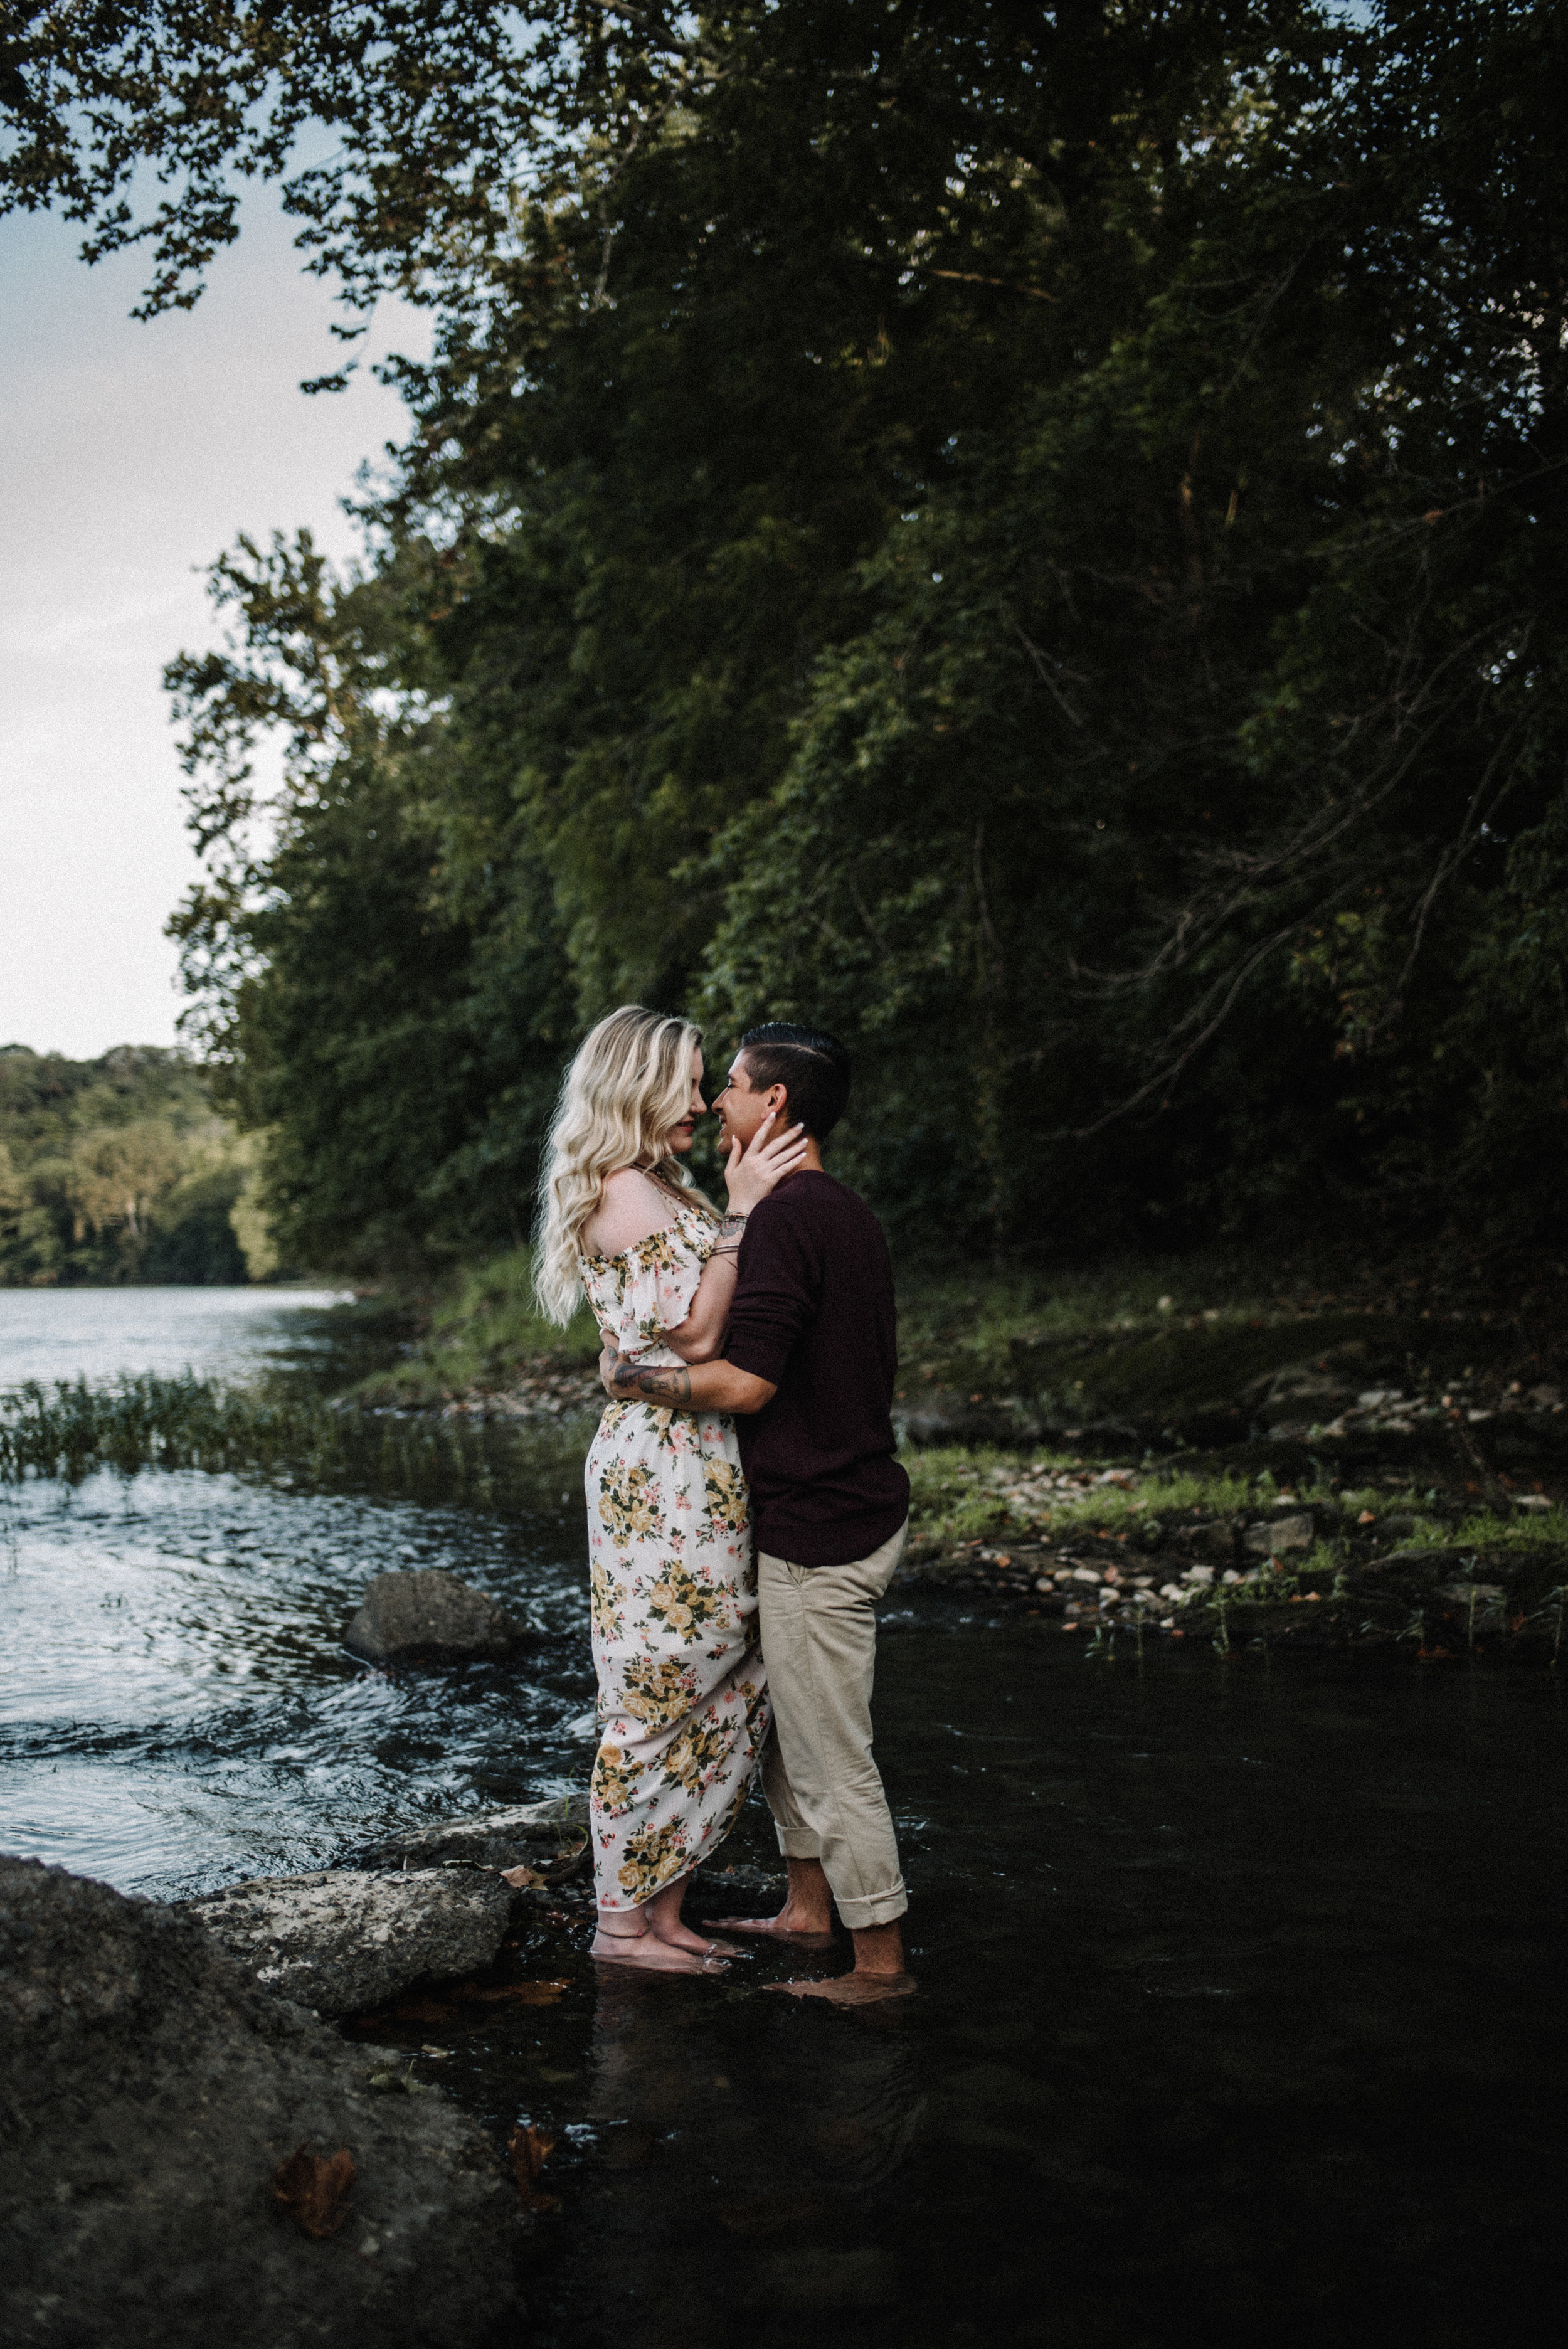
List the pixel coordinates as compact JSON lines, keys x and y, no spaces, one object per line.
{"x":73,"y":1430}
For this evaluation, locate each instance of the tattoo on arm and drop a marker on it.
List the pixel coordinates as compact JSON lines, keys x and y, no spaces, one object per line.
{"x":662,"y":1385}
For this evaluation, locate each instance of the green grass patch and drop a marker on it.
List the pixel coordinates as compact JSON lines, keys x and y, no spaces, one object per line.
{"x":484,"y":1337}
{"x":958,"y":1496}
{"x":1527,"y":1529}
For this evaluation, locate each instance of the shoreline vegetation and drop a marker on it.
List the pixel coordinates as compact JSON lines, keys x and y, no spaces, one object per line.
{"x":122,"y":1173}
{"x":1319,"y":1457}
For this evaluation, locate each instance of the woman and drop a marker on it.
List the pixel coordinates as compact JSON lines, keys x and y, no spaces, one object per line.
{"x":683,"y":1704}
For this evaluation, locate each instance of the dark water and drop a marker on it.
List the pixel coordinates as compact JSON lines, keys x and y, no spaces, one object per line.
{"x":1242,"y":2003}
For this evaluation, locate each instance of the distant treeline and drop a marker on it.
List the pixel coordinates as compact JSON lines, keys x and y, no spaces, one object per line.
{"x":1030,"y":537}
{"x":119,"y":1170}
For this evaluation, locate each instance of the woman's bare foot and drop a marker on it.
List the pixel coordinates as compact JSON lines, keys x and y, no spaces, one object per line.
{"x":676,"y":1936}
{"x":653,"y":1953}
{"x":662,"y":1916}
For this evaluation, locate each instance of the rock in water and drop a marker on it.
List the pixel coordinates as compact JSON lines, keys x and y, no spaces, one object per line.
{"x":153,"y":2094}
{"x":551,"y":1835}
{"x":343,"y":1940}
{"x":428,"y":1617}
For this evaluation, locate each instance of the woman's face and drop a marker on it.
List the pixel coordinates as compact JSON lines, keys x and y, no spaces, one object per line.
{"x":681,"y":1136}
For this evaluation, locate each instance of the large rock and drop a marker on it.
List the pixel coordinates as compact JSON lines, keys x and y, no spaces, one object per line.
{"x":345,"y":1939}
{"x":428,"y":1617}
{"x":152,"y":2093}
{"x":550,"y":1836}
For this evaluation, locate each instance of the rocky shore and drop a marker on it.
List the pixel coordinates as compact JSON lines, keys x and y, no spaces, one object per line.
{"x":191,"y":2153}
{"x":189,"y":2158}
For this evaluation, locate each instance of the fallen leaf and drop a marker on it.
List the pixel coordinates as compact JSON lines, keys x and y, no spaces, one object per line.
{"x":313,"y":2189}
{"x":530,"y":2149}
{"x":522,"y":1879}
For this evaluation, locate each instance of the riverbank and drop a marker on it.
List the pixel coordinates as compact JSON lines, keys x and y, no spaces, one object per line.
{"x":1311,"y":1452}
{"x":1350,"y":1458}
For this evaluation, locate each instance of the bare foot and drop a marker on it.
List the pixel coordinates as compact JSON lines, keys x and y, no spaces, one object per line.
{"x":676,"y":1935}
{"x":647,"y":1950}
{"x":797,"y":1937}
{"x":850,"y":1990}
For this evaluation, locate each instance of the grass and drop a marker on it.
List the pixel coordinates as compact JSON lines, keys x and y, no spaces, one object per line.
{"x":959,"y":1495}
{"x":1537,"y":1529}
{"x":74,"y":1430}
{"x":1172,"y":1337}
{"x":483,"y":1336}
{"x":980,"y":1328}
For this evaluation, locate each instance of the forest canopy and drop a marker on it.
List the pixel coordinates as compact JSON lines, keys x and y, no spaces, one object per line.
{"x":119,"y":1170}
{"x":1029,"y":536}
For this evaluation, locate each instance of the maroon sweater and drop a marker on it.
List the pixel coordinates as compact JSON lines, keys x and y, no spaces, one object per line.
{"x":814,"y":1314}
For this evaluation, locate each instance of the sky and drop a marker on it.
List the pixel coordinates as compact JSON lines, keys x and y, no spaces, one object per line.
{"x":132,"y":455}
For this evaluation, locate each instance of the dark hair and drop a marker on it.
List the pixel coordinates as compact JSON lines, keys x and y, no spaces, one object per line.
{"x":814,"y":1068}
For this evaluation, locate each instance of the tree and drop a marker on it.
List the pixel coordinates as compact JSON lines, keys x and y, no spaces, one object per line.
{"x":1023,"y":534}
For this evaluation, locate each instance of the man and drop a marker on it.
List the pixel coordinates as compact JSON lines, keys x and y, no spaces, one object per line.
{"x":808,"y":1373}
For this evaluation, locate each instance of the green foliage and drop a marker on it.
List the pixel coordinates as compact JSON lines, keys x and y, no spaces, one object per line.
{"x":1029,"y":538}
{"x":483,"y":1335}
{"x":119,"y":1170}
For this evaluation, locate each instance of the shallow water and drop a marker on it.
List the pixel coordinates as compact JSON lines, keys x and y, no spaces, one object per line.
{"x":1240,"y":2014}
{"x":100,"y":1333}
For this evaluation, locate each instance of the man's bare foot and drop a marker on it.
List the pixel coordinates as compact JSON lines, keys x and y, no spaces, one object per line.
{"x":850,"y":1990}
{"x":656,"y":1956}
{"x":797,"y":1937}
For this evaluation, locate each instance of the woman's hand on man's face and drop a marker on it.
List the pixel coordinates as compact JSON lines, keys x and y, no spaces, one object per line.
{"x":749,"y":1175}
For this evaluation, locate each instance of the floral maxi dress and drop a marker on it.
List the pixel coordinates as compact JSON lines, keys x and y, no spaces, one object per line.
{"x":682,"y":1700}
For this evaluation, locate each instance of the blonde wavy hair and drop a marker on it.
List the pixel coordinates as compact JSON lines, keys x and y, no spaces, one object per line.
{"x":628,"y":1087}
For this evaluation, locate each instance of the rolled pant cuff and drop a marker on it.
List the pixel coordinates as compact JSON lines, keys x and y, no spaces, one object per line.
{"x":875,"y":1909}
{"x":799,"y":1843}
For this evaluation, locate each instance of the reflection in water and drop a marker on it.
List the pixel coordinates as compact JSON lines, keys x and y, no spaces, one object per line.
{"x":739,"y":2132}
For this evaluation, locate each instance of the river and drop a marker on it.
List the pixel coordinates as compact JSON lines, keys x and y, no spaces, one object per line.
{"x":1240,"y":2012}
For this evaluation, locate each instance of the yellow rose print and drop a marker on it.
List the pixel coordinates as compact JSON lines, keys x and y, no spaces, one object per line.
{"x":629,"y":1503}
{"x":728,"y":1511}
{"x":683,"y":1604}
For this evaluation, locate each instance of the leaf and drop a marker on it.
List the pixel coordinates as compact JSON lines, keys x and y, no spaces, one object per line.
{"x":530,"y":2149}
{"x":313,"y":2189}
{"x":522,"y":1879}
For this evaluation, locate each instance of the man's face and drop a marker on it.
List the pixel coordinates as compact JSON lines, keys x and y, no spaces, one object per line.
{"x":741,"y":1109}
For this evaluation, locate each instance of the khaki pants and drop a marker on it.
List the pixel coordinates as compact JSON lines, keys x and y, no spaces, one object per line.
{"x":819,"y":1640}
